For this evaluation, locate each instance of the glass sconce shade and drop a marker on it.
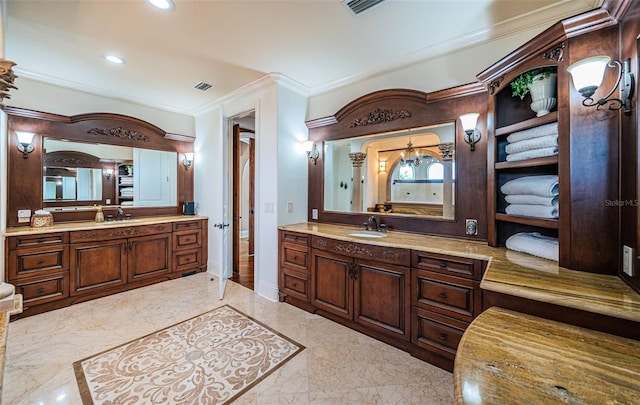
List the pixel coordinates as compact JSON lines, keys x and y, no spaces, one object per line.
{"x":469,"y":121}
{"x":383,"y":166}
{"x":312,"y":151}
{"x":25,"y":142}
{"x":587,"y":74}
{"x":188,"y":160}
{"x":108,"y":173}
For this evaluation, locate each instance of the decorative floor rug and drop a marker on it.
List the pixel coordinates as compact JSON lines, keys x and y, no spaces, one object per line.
{"x":210,"y":359}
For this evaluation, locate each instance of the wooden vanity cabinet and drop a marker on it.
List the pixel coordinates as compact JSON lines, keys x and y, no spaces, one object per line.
{"x":38,"y":266}
{"x":293,"y":275}
{"x":445,"y":298}
{"x":53,"y":270}
{"x":360,"y":285}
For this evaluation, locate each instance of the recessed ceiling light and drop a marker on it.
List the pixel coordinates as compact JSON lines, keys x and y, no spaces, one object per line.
{"x":166,"y":5}
{"x":114,"y":58}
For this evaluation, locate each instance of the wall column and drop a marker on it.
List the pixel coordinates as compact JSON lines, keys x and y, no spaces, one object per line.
{"x":357,"y":159}
{"x":446,"y":149}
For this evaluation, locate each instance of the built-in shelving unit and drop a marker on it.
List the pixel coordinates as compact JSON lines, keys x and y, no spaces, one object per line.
{"x":125,"y":183}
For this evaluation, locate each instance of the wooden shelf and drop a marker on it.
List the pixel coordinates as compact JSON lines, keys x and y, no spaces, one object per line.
{"x":541,"y":222}
{"x":530,"y":123}
{"x":543,"y":161}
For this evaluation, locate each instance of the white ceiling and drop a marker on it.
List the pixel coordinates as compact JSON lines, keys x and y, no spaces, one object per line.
{"x":231,"y":43}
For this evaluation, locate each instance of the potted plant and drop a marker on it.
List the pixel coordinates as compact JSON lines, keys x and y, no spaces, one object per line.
{"x":541,"y":83}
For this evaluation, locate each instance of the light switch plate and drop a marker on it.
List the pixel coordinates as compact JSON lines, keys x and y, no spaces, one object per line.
{"x":314,"y":213}
{"x":268,"y":208}
{"x":24,"y":216}
{"x":289,"y":207}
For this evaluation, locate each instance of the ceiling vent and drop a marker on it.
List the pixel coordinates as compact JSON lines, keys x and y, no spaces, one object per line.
{"x":360,"y":6}
{"x":202,"y":86}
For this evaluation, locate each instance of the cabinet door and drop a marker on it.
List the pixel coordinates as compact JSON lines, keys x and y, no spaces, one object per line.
{"x":382,"y":298}
{"x":331,"y":284}
{"x":97,"y":266}
{"x":149,"y":256}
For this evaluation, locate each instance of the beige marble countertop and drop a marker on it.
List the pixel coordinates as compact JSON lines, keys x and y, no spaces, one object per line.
{"x":510,"y":272}
{"x":507,"y":357}
{"x":82,"y":225}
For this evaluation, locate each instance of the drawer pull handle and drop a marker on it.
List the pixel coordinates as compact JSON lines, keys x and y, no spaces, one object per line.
{"x":295,"y":257}
{"x":442,"y":295}
{"x":443,"y":265}
{"x":40,"y":290}
{"x":41,"y":240}
{"x":41,"y":261}
{"x":443,"y":337}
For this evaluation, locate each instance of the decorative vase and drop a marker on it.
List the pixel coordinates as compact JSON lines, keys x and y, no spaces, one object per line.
{"x":543,"y":93}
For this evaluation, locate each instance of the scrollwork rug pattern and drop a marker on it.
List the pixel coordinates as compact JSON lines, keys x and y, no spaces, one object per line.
{"x":210,"y":359}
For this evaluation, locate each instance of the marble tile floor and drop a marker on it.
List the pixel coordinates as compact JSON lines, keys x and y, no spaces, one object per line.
{"x":338,"y":366}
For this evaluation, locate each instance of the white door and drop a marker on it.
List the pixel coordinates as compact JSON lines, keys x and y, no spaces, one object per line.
{"x":225,"y":248}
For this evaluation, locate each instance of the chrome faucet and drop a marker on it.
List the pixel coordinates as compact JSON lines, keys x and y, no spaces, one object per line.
{"x":372,"y":224}
{"x":119,"y":215}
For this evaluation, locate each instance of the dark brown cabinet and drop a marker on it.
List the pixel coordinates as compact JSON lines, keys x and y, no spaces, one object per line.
{"x":53,"y":270}
{"x":419,"y":301}
{"x":375,"y":295}
{"x":38,"y":266}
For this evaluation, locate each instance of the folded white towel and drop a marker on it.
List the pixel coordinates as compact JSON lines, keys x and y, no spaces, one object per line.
{"x":544,"y":185}
{"x":531,"y":199}
{"x":528,"y":210}
{"x":533,"y":143}
{"x":542,"y":130}
{"x":534,"y":244}
{"x":532,"y":154}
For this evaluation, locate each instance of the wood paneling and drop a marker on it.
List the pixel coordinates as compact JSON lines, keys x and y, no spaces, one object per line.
{"x":425,"y":109}
{"x":25,"y":175}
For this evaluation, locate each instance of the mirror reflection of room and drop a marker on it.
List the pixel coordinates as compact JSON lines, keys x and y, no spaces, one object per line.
{"x":409,"y":172}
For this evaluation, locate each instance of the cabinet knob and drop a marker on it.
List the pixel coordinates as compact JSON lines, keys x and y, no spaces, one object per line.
{"x":443,"y":265}
{"x":443,"y":337}
{"x":41,"y":261}
{"x":40,"y":290}
{"x":442,"y":295}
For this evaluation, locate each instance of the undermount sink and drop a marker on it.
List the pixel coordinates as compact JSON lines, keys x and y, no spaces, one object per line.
{"x":370,"y":235}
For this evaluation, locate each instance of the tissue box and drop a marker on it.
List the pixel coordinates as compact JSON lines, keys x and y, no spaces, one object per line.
{"x":40,"y":220}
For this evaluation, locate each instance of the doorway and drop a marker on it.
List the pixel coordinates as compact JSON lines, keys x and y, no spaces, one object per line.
{"x":243,"y":236}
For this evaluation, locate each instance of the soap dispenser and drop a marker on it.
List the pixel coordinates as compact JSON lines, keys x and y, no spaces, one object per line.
{"x":99,"y":214}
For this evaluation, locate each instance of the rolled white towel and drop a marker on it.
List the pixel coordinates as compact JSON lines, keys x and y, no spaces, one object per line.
{"x":531,"y":199}
{"x":543,"y":185}
{"x":535,"y":244}
{"x":542,"y":130}
{"x":532,"y":154}
{"x":528,"y":210}
{"x":533,"y":143}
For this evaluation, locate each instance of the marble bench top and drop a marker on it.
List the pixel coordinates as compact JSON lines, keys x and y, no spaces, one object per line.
{"x":507,"y":357}
{"x":510,"y":272}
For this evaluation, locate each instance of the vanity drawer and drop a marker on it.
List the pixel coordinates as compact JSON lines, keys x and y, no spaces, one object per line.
{"x":453,"y":265}
{"x":294,"y":283}
{"x":186,"y":259}
{"x":452,"y":296}
{"x":39,"y":240}
{"x":183,"y":225}
{"x":39,"y":290}
{"x":119,"y":232}
{"x":295,"y":257}
{"x":188,"y":239}
{"x":29,"y":262}
{"x":293,"y":237}
{"x":384,"y":254}
{"x":435,"y":332}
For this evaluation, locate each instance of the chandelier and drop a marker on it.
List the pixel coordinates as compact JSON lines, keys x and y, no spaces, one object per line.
{"x":410,"y":156}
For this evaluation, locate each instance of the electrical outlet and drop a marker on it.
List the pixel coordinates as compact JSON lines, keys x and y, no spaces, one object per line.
{"x":314,"y":213}
{"x":289,"y":207}
{"x":107,"y":201}
{"x":627,"y":260}
{"x":24,"y":216}
{"x":472,"y":226}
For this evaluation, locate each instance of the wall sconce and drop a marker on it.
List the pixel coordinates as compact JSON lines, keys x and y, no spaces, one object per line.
{"x":188,"y":160}
{"x":471,"y":134}
{"x":312,"y":151}
{"x":25,"y":142}
{"x":108,"y":173}
{"x":383,"y":166}
{"x":587,"y":75}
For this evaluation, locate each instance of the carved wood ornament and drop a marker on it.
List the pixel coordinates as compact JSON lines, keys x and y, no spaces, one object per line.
{"x":7,"y":77}
{"x":378,"y":116}
{"x":120,"y":132}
